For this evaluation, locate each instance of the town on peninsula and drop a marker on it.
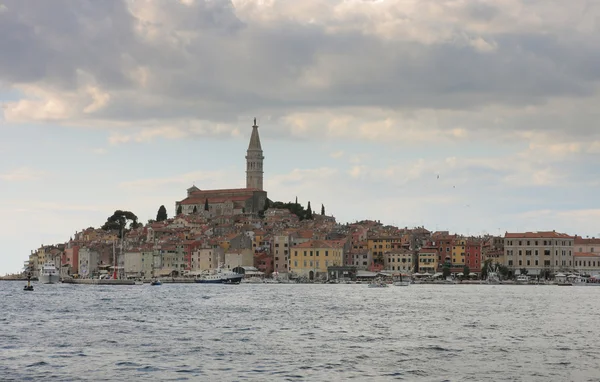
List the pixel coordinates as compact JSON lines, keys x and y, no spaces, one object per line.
{"x":243,"y":231}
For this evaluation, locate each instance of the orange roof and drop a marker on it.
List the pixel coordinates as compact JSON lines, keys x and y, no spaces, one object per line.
{"x":537,"y":235}
{"x":586,"y":254}
{"x":581,"y":240}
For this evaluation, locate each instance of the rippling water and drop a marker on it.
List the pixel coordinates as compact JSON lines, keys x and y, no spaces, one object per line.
{"x":294,"y":332}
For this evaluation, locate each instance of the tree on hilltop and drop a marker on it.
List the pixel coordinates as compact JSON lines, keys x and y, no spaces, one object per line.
{"x":118,"y":222}
{"x":161,"y":215}
{"x":309,"y":214}
{"x":294,"y":208}
{"x":322,"y":210}
{"x":179,"y":210}
{"x":206,"y":205}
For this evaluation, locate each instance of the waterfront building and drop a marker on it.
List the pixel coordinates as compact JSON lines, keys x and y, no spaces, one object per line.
{"x":239,"y":258}
{"x":378,"y":244}
{"x":227,"y":202}
{"x":458,"y":252}
{"x":473,"y":256}
{"x":311,"y":259}
{"x":428,"y":260}
{"x":133,"y":265}
{"x":88,"y":260}
{"x":399,"y":260}
{"x":587,"y":263}
{"x":207,"y":258}
{"x":535,"y":251}
{"x":280,"y":247}
{"x":587,"y":245}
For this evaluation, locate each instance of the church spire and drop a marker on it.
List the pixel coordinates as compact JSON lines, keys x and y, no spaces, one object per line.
{"x":254,"y":138}
{"x":254,"y":161}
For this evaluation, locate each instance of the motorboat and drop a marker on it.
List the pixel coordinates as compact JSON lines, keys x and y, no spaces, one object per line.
{"x":221,"y":276}
{"x":48,"y":274}
{"x":378,"y":284}
{"x":155,"y":282}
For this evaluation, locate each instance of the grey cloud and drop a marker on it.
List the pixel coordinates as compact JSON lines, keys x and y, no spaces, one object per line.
{"x":209,"y":64}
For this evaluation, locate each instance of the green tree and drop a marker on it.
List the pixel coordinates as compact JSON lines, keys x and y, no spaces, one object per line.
{"x":294,"y":208}
{"x":523,"y":271}
{"x":322,"y":209}
{"x":118,"y":222}
{"x":267,"y":204}
{"x":309,"y":214}
{"x":179,"y":211}
{"x":466,"y":271}
{"x":161,"y":215}
{"x":206,"y":205}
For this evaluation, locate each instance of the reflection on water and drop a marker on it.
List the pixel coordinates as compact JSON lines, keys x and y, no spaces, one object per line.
{"x":291,"y":332}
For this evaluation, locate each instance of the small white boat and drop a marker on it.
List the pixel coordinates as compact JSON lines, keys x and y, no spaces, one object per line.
{"x":139,"y":282}
{"x":49,"y":274}
{"x":401,"y":283}
{"x":378,"y":284}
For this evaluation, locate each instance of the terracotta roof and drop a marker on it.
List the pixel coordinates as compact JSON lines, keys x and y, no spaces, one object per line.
{"x":581,"y":240}
{"x":586,"y":254}
{"x":202,"y":200}
{"x":537,"y":235}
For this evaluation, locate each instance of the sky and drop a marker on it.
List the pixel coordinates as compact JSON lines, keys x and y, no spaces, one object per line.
{"x":469,"y":116}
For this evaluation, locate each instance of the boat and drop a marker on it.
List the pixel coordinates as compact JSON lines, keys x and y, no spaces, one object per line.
{"x":155,"y":282}
{"x":220,"y":277}
{"x":139,"y":282}
{"x":378,"y":284}
{"x":48,"y":274}
{"x":587,"y":281}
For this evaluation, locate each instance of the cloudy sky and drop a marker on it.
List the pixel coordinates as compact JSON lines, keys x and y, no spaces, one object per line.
{"x":361,"y":104}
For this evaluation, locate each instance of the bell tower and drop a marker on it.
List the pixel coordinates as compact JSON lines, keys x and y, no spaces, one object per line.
{"x":254,"y":161}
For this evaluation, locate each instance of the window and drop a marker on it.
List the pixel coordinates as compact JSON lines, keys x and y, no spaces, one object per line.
{"x":326,"y":253}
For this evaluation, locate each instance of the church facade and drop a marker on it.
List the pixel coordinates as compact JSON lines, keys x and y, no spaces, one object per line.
{"x":227,"y":202}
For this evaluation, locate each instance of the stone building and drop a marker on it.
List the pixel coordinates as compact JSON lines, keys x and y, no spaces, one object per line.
{"x":535,"y":251}
{"x":235,"y":201}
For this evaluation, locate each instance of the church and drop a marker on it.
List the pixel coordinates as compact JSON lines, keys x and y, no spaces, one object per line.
{"x":235,"y":201}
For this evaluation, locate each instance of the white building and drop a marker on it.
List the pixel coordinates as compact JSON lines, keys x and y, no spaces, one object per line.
{"x":535,"y":251}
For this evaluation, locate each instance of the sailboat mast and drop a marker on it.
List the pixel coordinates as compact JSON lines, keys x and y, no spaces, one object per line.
{"x":114,"y":262}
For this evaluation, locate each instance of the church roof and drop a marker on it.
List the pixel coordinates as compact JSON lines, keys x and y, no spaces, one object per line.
{"x":254,"y":138}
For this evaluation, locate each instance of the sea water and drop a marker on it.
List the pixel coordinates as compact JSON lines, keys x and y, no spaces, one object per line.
{"x":272,"y":332}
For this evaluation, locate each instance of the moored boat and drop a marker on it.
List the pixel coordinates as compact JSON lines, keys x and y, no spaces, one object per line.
{"x":220,"y":277}
{"x":48,"y":274}
{"x":378,"y":284}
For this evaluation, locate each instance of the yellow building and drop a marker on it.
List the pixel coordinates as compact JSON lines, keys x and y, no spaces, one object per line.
{"x":311,"y":259}
{"x":458,"y":252}
{"x":428,"y":260}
